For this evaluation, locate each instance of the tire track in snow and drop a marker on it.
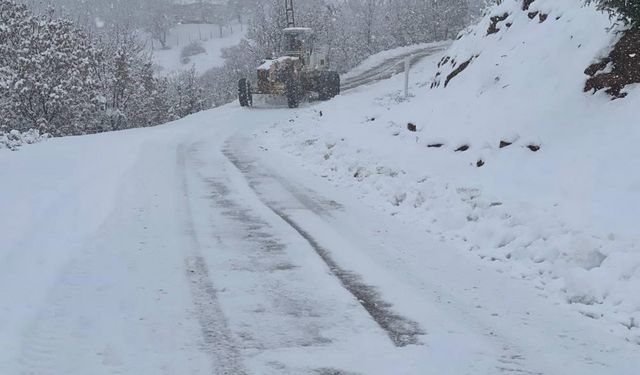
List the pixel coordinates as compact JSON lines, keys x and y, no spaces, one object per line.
{"x":53,"y":343}
{"x":401,"y":331}
{"x":300,"y":315}
{"x":277,"y":292}
{"x":50,"y":331}
{"x":511,"y":360}
{"x":218,"y":340}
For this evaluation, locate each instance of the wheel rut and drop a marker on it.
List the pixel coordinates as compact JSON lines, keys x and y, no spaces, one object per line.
{"x":217,"y":337}
{"x":400,"y":330}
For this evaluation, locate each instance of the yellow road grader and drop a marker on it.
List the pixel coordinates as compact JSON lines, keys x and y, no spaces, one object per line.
{"x":301,"y":73}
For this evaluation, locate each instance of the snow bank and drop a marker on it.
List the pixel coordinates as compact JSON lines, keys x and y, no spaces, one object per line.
{"x":510,"y":162}
{"x":14,"y":139}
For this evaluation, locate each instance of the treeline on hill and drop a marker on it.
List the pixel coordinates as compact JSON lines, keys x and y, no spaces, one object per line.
{"x":351,"y":30}
{"x":59,"y":80}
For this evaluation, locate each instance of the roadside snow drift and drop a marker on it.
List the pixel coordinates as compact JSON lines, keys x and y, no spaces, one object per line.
{"x":501,"y":153}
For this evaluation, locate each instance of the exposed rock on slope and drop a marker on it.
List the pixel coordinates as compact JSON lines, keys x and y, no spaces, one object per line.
{"x":619,"y":69}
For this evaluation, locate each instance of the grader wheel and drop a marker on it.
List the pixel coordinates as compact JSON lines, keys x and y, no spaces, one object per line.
{"x":244,"y":93}
{"x":293,"y":93}
{"x":329,"y":85}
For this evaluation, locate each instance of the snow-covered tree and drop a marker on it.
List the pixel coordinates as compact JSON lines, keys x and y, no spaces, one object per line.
{"x":54,"y":78}
{"x":128,"y":85}
{"x":158,"y":21}
{"x":351,"y":30}
{"x":47,"y":67}
{"x":355,"y":29}
{"x":186,"y":95}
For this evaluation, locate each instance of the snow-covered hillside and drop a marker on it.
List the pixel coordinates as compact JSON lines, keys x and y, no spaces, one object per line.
{"x":209,"y":37}
{"x":511,"y":162}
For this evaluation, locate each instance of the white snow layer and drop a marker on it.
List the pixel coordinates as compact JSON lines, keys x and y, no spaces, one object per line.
{"x":563,"y":217}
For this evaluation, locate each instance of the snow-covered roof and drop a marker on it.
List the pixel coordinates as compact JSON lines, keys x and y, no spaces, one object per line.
{"x":269,"y":63}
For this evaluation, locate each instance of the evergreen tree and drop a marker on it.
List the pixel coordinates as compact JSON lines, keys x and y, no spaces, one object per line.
{"x":46,"y":75}
{"x":628,"y":11}
{"x":187,"y":94}
{"x":127,"y":82}
{"x":55,"y":78}
{"x":159,"y":22}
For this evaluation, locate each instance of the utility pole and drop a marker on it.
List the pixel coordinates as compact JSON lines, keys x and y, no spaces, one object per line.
{"x":291,"y":18}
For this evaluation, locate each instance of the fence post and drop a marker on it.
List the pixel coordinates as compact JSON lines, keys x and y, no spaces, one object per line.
{"x":407,"y":67}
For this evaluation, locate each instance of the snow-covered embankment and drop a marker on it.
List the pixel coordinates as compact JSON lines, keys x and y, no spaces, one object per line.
{"x":510,"y":160}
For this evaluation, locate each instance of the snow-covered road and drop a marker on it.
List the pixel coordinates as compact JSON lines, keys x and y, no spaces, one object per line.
{"x":191,"y":248}
{"x":385,"y":65}
{"x":206,"y":257}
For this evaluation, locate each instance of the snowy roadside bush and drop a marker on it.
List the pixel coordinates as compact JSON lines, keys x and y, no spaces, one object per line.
{"x":13,"y":139}
{"x":192,"y":49}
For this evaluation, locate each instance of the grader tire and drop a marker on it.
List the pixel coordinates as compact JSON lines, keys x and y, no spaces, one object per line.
{"x":329,"y":85}
{"x":292,"y":93}
{"x":243,"y":92}
{"x":334,"y":84}
{"x":323,"y":87}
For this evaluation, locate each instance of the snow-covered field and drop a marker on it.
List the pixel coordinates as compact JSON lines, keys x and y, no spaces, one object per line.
{"x":169,"y":60}
{"x":277,"y":241}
